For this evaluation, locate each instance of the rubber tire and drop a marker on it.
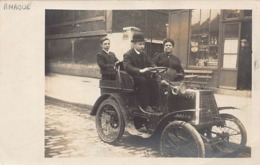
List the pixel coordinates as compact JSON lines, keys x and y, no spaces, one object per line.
{"x":242,"y":130}
{"x":190,"y":130}
{"x":121,"y":122}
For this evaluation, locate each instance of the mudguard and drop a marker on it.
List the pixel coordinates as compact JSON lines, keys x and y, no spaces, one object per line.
{"x":228,"y":107}
{"x":119,"y":99}
{"x":183,"y":115}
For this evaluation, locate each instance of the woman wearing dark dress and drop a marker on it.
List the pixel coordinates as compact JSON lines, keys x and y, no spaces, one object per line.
{"x":175,"y":71}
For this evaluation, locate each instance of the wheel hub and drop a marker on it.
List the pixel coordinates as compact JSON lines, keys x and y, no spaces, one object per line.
{"x":224,"y":136}
{"x":114,"y":121}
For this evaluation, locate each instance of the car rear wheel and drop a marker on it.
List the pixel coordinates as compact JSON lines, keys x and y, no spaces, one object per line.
{"x":180,"y":139}
{"x":110,"y":123}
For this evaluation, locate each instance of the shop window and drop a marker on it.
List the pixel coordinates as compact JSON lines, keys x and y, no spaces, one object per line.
{"x":204,"y":38}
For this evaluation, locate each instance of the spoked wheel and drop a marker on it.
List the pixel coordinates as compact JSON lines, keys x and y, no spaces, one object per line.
{"x":180,"y":139}
{"x":232,"y":136}
{"x":110,"y":123}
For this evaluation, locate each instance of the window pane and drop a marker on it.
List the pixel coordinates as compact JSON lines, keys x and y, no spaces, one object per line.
{"x":231,"y":14}
{"x":230,"y":61}
{"x":230,"y":46}
{"x":214,"y":26}
{"x":231,"y":31}
{"x":204,"y":38}
{"x":248,"y":13}
{"x":204,"y":27}
{"x":204,"y":23}
{"x":195,"y":36}
{"x":195,"y":22}
{"x":213,"y":56}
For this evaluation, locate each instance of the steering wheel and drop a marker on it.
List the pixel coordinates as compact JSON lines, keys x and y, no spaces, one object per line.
{"x":158,"y":69}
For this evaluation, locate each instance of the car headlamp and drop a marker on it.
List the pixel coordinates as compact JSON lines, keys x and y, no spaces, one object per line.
{"x":183,"y":88}
{"x":179,"y":89}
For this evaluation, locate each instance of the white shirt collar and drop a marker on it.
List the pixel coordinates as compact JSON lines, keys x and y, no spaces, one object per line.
{"x":136,"y":51}
{"x":106,"y":51}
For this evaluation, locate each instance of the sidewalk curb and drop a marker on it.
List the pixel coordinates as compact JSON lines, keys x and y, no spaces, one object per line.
{"x":84,"y":106}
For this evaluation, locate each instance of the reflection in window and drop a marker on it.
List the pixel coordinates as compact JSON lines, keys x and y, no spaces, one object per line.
{"x":248,"y":13}
{"x":229,"y":14}
{"x":204,"y":23}
{"x":231,"y":31}
{"x":204,"y":27}
{"x":195,"y":22}
{"x":204,"y":38}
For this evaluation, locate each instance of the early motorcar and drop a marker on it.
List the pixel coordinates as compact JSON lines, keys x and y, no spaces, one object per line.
{"x":186,"y":120}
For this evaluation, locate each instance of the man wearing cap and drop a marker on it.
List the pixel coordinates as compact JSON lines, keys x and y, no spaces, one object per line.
{"x":245,"y":63}
{"x":106,"y":60}
{"x":137,"y":63}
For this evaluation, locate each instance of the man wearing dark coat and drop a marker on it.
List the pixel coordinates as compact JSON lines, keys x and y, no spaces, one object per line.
{"x":106,"y":60}
{"x":245,"y":64}
{"x":137,"y":63}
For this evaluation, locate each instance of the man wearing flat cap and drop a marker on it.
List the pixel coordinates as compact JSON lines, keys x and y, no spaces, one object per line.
{"x":245,"y":64}
{"x":137,"y":63}
{"x":106,"y":60}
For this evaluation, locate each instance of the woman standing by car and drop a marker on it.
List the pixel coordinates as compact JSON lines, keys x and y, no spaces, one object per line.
{"x":175,"y":71}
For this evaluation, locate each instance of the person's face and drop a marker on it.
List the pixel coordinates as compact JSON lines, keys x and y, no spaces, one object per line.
{"x":168,"y":47}
{"x":244,"y":44}
{"x":139,"y":46}
{"x":106,"y":45}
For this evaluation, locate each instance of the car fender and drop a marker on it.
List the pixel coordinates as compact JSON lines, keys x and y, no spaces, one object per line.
{"x":183,"y":115}
{"x":97,"y":103}
{"x":119,"y":99}
{"x":228,"y":107}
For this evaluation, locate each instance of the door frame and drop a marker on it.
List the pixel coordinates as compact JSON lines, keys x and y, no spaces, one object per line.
{"x":230,"y":72}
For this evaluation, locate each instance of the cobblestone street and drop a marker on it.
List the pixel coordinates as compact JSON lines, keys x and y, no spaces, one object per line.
{"x":70,"y":132}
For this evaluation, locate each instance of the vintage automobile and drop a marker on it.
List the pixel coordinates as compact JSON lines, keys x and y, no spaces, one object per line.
{"x":186,"y":121}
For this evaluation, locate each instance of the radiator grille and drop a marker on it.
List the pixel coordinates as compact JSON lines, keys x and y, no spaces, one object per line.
{"x":209,"y":106}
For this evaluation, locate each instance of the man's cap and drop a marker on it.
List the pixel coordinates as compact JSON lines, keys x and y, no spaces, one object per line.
{"x":138,"y":37}
{"x":244,"y":40}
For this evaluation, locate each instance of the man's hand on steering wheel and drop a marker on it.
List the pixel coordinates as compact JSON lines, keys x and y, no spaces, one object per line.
{"x":144,"y":70}
{"x":158,"y":69}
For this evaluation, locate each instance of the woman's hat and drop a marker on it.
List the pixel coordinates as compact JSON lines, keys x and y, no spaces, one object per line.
{"x":138,"y":37}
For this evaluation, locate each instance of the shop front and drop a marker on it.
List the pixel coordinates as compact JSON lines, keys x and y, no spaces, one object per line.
{"x":211,"y":40}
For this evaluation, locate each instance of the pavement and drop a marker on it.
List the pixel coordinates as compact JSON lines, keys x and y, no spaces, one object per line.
{"x":85,"y":91}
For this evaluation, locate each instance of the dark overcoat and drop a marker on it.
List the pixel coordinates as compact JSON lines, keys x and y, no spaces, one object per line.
{"x":106,"y":62}
{"x":169,"y":61}
{"x":133,"y":62}
{"x":172,"y":62}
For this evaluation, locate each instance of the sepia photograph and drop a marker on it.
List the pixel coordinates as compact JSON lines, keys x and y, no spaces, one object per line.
{"x":148,"y":83}
{"x":129,"y":82}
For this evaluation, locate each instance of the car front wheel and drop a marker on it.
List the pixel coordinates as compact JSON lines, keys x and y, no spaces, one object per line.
{"x":180,"y":139}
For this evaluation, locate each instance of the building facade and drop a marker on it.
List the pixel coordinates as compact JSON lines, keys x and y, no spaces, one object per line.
{"x":72,"y":36}
{"x":204,"y":39}
{"x":210,"y":40}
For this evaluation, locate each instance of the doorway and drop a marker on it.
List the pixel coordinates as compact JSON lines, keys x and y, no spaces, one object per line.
{"x":244,"y":79}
